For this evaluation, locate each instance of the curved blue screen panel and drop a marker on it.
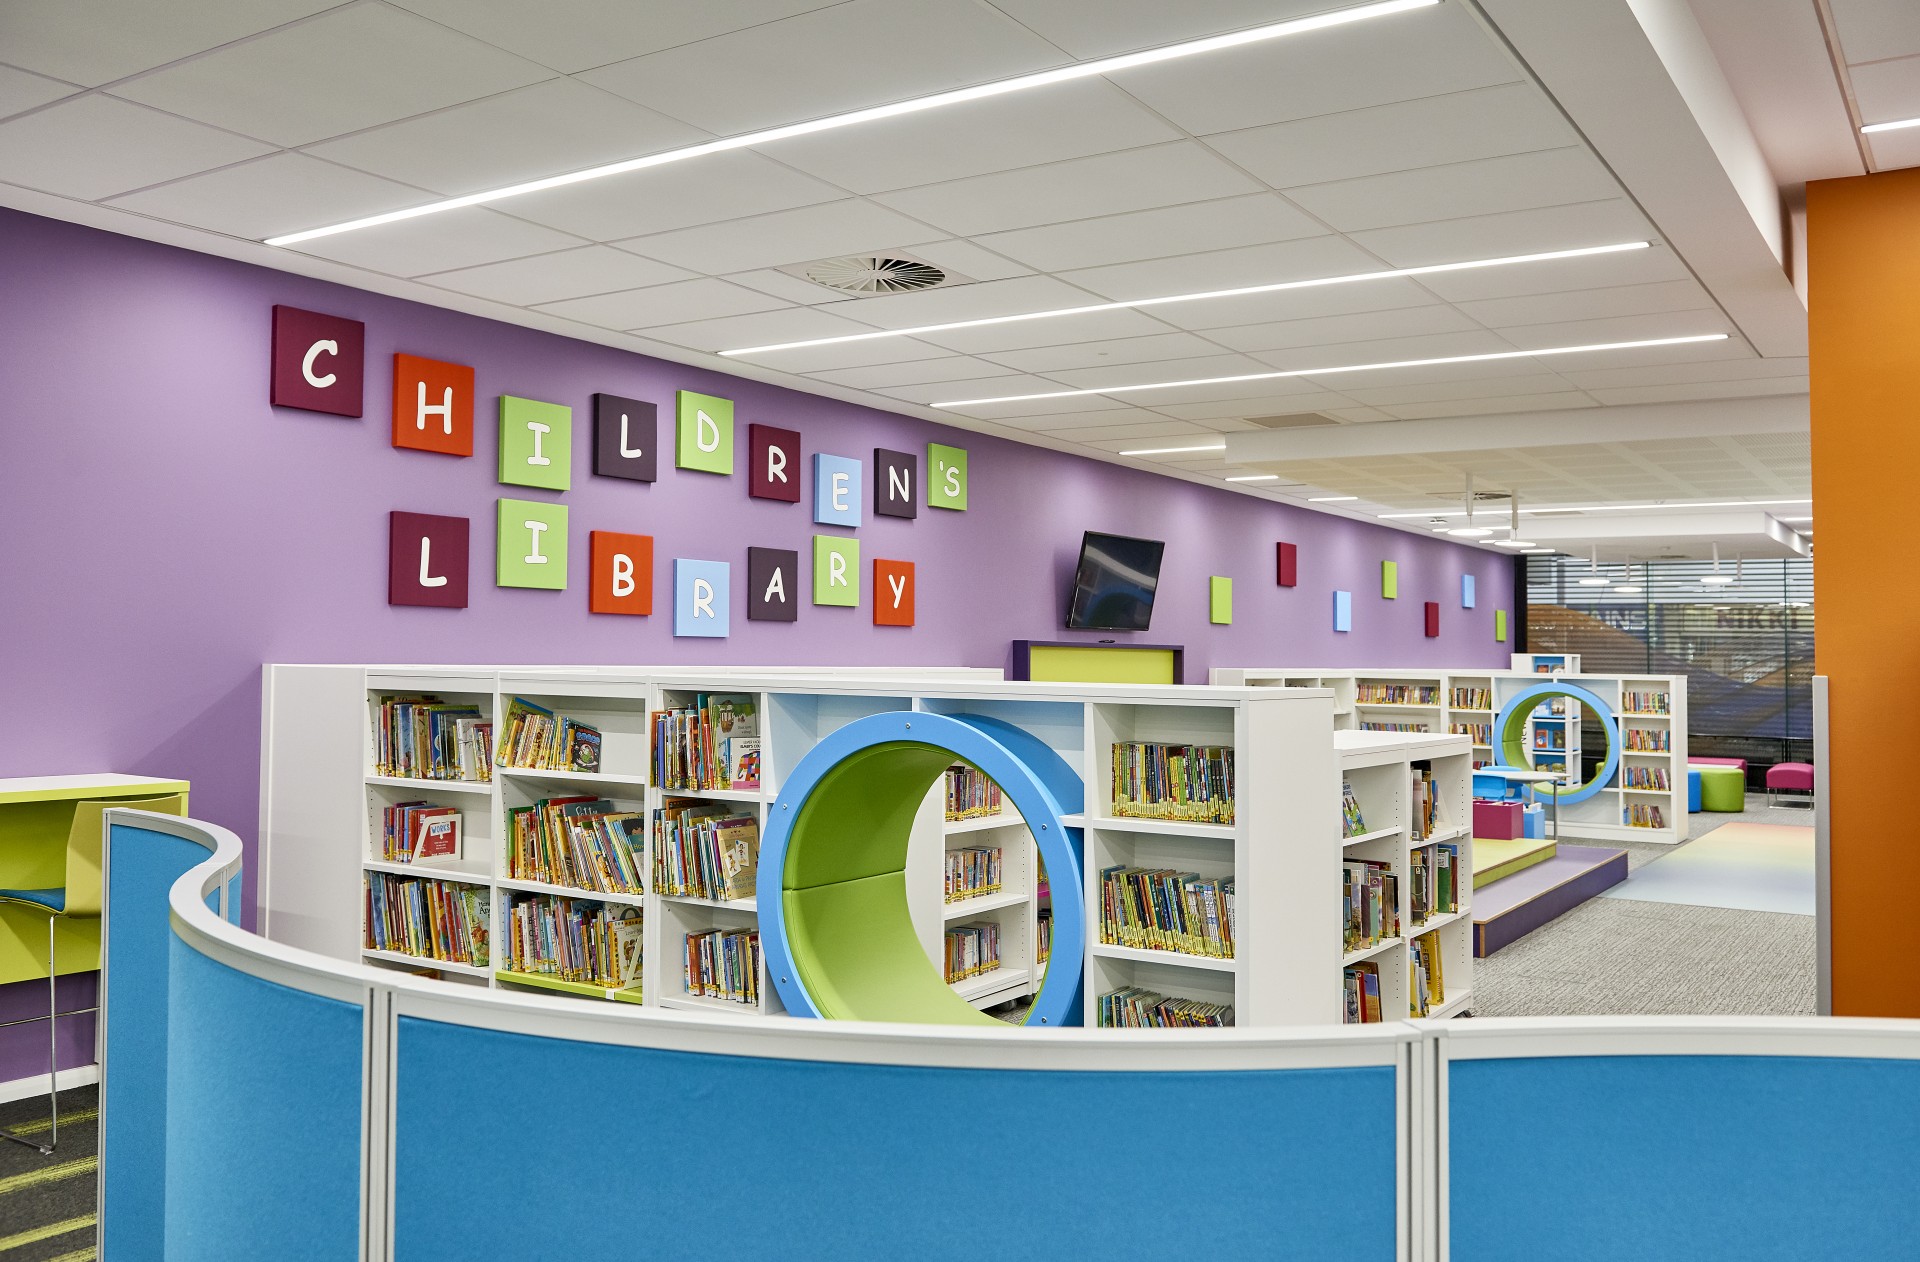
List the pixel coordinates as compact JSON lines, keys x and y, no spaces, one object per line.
{"x":693,"y":1155}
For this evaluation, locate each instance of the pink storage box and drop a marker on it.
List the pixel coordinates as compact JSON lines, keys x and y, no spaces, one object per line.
{"x":1498,"y":821}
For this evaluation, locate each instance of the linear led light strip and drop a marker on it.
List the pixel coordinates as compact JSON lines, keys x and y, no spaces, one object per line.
{"x":1321,"y":372}
{"x":1893,"y":126}
{"x":1607,"y":508}
{"x":939,"y":100}
{"x":1133,"y":303}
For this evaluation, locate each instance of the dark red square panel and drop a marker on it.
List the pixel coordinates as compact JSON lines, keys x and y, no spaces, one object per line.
{"x":1433,"y":619}
{"x":319,"y":362}
{"x":1289,"y":560}
{"x":427,"y":560}
{"x":773,"y":472}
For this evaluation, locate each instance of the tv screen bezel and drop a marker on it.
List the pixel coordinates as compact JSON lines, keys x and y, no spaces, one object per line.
{"x":1080,"y":569}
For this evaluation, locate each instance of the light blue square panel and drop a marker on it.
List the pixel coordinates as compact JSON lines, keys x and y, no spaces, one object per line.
{"x":1343,"y":611}
{"x":701,"y":592}
{"x":1466,"y":591}
{"x":836,"y":490}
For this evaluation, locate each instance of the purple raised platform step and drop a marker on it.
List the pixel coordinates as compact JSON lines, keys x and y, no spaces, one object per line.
{"x":1515,"y":906}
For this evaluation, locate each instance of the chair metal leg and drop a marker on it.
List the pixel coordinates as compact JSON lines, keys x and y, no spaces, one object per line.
{"x":53,"y":1055}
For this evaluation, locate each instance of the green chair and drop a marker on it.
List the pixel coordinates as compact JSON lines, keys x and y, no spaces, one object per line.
{"x":81,"y":897}
{"x":1722,"y":789}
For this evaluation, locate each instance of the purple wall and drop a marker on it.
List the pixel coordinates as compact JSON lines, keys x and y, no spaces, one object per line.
{"x":169,"y":531}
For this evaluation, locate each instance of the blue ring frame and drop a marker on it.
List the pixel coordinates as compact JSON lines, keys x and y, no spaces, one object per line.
{"x":989,"y":745}
{"x":1532,"y":696}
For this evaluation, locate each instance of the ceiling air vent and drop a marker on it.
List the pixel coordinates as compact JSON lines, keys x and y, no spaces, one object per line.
{"x":874,"y":274}
{"x":1292,"y":420}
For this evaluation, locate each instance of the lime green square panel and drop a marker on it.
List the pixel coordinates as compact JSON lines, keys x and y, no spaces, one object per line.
{"x":1500,"y":625}
{"x":536,"y":443}
{"x":1220,"y":600}
{"x":1390,"y":580}
{"x":946,"y":477}
{"x":703,"y":433}
{"x":836,"y":571}
{"x":531,"y":549}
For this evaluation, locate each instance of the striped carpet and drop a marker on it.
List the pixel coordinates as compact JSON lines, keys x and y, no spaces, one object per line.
{"x":46,"y":1203}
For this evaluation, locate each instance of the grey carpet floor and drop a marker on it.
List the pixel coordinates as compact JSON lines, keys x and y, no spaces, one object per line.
{"x":46,"y":1203}
{"x":1614,"y":956}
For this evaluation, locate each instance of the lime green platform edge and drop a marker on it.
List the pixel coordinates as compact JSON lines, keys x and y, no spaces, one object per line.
{"x":1494,"y":858}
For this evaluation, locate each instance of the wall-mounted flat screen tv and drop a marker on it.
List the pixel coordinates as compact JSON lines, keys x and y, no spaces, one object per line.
{"x":1113,"y":588}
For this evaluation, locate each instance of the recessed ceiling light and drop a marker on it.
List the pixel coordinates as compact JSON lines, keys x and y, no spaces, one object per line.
{"x":1470,"y":532}
{"x":1870,"y":128}
{"x":1628,"y":589}
{"x":1604,"y":508}
{"x":1593,"y":582}
{"x":1353,"y":278}
{"x":1318,"y":372}
{"x":1172,"y":451}
{"x":939,"y":100}
{"x":1257,"y":477}
{"x":1331,"y":499}
{"x":1514,"y":543}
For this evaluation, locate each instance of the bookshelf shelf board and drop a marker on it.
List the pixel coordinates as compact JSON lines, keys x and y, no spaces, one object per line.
{"x":1470,"y":709}
{"x":465,"y":871}
{"x":985,"y":822}
{"x":1645,"y":714}
{"x":572,"y":777}
{"x":1366,"y":953}
{"x":1162,"y":827}
{"x":424,"y":961}
{"x":748,"y":905}
{"x":983,"y":902}
{"x":999,"y":979}
{"x":705,"y":1003}
{"x":1139,"y":955}
{"x":1073,"y":821}
{"x":714,"y":795}
{"x":568,"y":891}
{"x":1396,"y":705}
{"x":1456,"y":1004}
{"x":1440,"y":921}
{"x":1445,"y":834}
{"x":589,"y":989}
{"x":431,"y":786}
{"x":1658,"y":793}
{"x":1375,"y":835}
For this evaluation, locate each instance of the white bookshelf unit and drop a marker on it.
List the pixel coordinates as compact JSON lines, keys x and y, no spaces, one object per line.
{"x":320,"y":789}
{"x":1610,"y":813}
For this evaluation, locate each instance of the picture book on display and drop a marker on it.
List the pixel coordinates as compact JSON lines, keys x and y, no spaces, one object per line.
{"x":535,"y":737}
{"x":1352,"y":823}
{"x":435,"y":920}
{"x":584,"y":842}
{"x":1360,"y":988}
{"x":1370,"y":904}
{"x":715,"y":744}
{"x":574,"y":940}
{"x":705,"y":850}
{"x":419,"y":832}
{"x":427,"y":738}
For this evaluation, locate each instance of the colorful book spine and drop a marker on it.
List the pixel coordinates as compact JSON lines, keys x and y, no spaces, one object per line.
{"x":574,"y":940}
{"x":1645,"y":703}
{"x":971,"y":795}
{"x":1157,"y":909}
{"x":534,"y":737}
{"x":1397,"y":694}
{"x":1133,"y":1008}
{"x":426,"y":738}
{"x":1479,"y":733}
{"x":723,"y":964}
{"x":1649,"y":740}
{"x":1645,"y":815}
{"x":702,"y":850}
{"x":1471,"y":698}
{"x":581,"y":842}
{"x":1393,"y":727}
{"x":973,"y":872}
{"x":435,"y":920}
{"x":1188,"y":783}
{"x":972,"y":950}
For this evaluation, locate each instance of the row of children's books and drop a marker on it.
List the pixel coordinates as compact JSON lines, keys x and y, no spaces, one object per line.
{"x":972,"y":872}
{"x":1471,"y":698}
{"x":1394,"y":727}
{"x":1638,"y":777}
{"x":1158,"y":909}
{"x":714,"y":744}
{"x":1479,"y":733}
{"x":1193,"y":783}
{"x":1435,"y":881}
{"x":1645,"y":703}
{"x":972,"y":950}
{"x":435,"y":920}
{"x":1645,"y":815}
{"x":970,"y":794}
{"x":1397,"y":694}
{"x":1648,"y":740}
{"x":583,"y":841}
{"x":426,"y":738}
{"x":705,"y":850}
{"x":1426,"y":804}
{"x":419,"y":832}
{"x":1138,"y":1009}
{"x":574,"y":940}
{"x":1360,"y":990}
{"x":1426,"y":983}
{"x":1369,"y":903}
{"x":723,"y":964}
{"x":534,"y":736}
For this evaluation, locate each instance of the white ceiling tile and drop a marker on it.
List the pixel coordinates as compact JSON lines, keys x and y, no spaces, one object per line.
{"x":1363,"y":326}
{"x":1351,"y":381}
{"x":974,"y":387}
{"x":1657,"y":265}
{"x":544,"y":129}
{"x":1357,"y":415}
{"x":1397,"y":58}
{"x":93,"y":146}
{"x":764,"y":328}
{"x":1702,"y":390}
{"x":1029,"y":408}
{"x":459,"y":238}
{"x":1108,"y":352}
{"x":1270,"y":397}
{"x":1090,"y":188}
{"x":1619,"y":328}
{"x":1458,"y":127}
{"x":1748,"y":369}
{"x":1387,"y":350}
{"x":1474,"y":388}
{"x":1588,"y":304}
{"x":357,"y":66}
{"x":589,"y":33}
{"x":915,"y":373}
{"x":677,"y":303}
{"x":679,"y":195}
{"x":1895,"y":149}
{"x":1117,"y":437}
{"x":1116,"y":26}
{"x":1248,"y":265}
{"x":1053,"y":124}
{"x":783,"y":285}
{"x":1539,"y":231}
{"x":593,"y":269}
{"x":955,"y":255}
{"x":92,"y":42}
{"x":1214,"y":365}
{"x":21,"y":90}
{"x":1112,"y":419}
{"x":886,"y":350}
{"x":1479,"y":407}
{"x":1489,"y":186}
{"x":283,"y":192}
{"x":1887,"y":91}
{"x":1874,"y":29}
{"x":965,"y":302}
{"x":1157,"y":233}
{"x":781,"y":237}
{"x":1296,"y":304}
{"x":1099,"y":326}
{"x":820,"y":63}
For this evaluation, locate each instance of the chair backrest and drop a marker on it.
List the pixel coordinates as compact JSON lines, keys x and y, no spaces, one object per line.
{"x":84,"y":841}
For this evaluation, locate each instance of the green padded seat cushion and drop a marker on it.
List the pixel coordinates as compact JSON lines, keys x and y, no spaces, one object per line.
{"x":1722,"y":789}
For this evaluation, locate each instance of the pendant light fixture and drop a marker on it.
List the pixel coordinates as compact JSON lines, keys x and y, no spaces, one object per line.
{"x":1594,"y":578}
{"x":1513,"y":539}
{"x":1470,"y":531}
{"x":1717,"y":579}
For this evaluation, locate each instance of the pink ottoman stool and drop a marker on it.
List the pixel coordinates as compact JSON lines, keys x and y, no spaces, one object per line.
{"x":1790,"y":777}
